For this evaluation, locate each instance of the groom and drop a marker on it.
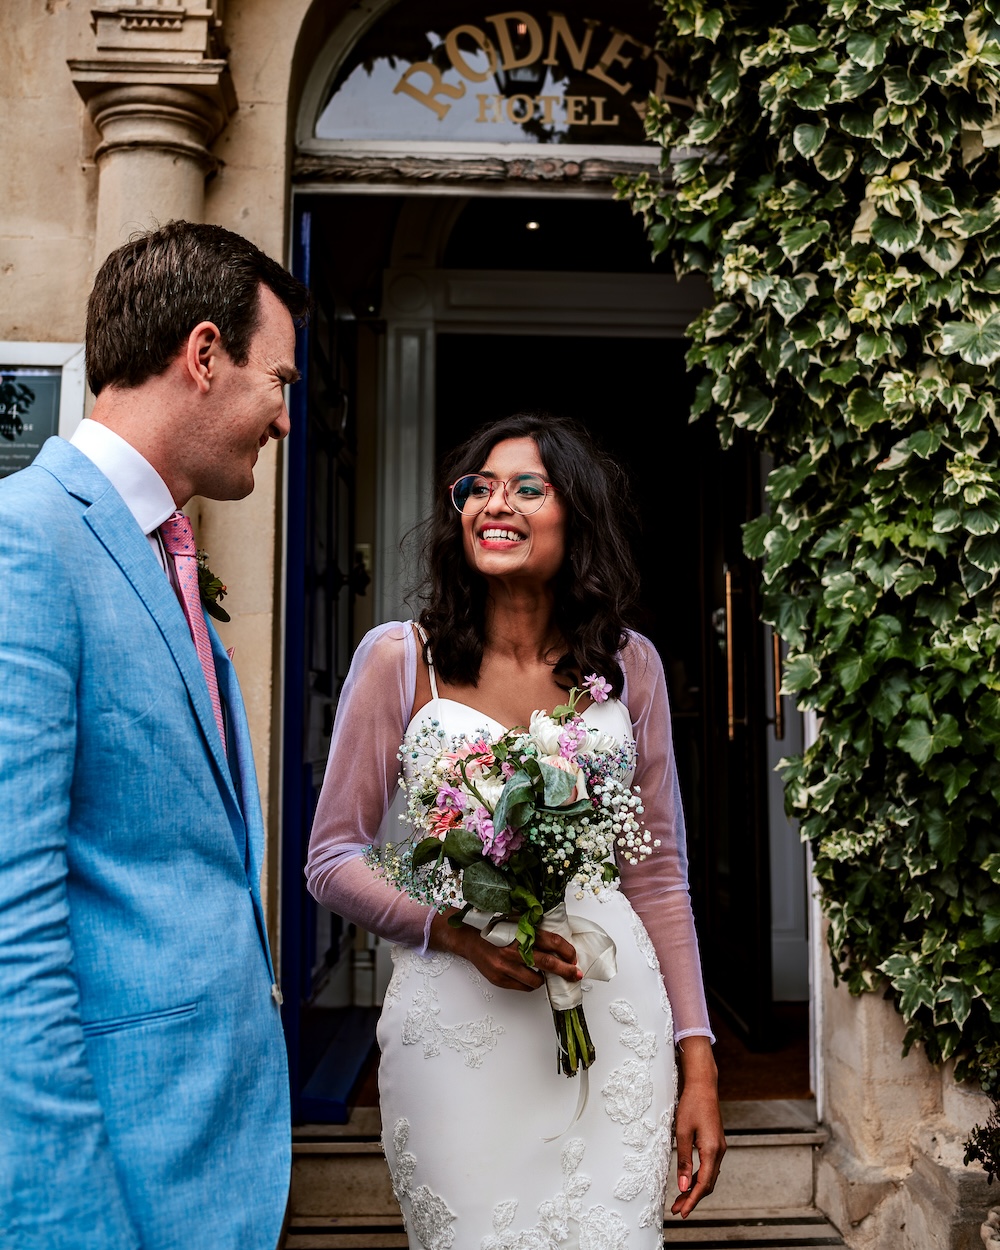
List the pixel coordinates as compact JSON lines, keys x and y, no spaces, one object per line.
{"x":143,"y":1085}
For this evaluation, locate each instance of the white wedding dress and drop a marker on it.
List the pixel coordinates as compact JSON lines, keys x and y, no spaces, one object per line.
{"x":489,"y":1145}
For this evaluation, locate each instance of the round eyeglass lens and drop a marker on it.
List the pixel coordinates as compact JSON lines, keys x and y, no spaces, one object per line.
{"x":524,"y":493}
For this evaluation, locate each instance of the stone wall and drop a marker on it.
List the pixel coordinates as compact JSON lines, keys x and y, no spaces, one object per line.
{"x":892,"y":1174}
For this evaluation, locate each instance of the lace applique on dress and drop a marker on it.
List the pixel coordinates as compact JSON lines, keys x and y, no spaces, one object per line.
{"x":645,"y":945}
{"x":628,"y":1095}
{"x":597,"y":1227}
{"x":429,"y":1215}
{"x":473,"y":1040}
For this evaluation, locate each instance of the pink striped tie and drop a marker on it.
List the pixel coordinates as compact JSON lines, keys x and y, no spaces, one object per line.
{"x":178,"y":539}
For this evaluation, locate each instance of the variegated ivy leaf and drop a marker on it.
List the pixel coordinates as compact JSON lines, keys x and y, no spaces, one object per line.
{"x":943,"y":254}
{"x":868,"y":50}
{"x":865,"y":408}
{"x":808,"y":139}
{"x":976,"y":343}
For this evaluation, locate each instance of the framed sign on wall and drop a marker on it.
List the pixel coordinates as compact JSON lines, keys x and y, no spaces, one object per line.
{"x":42,"y":388}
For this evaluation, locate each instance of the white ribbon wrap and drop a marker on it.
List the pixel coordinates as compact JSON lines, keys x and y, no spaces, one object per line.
{"x":595,"y":951}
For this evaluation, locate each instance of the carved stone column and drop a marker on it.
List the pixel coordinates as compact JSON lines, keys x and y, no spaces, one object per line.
{"x":159,"y":93}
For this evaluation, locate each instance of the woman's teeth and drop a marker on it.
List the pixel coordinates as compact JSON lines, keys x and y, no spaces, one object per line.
{"x":508,"y":535}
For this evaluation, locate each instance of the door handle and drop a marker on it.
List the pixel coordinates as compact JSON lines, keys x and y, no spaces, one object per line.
{"x":779,"y":711}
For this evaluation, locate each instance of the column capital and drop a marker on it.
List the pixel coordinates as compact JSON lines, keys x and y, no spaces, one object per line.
{"x":158,"y":78}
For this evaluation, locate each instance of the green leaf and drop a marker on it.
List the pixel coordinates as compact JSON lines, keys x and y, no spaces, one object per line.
{"x":516,"y":803}
{"x":922,"y":742}
{"x":808,"y":139}
{"x":802,"y":39}
{"x":801,"y":672}
{"x":794,"y":240}
{"x":977,"y":344}
{"x":868,"y":50}
{"x":853,"y":670}
{"x":485,"y":887}
{"x":865,"y":408}
{"x":462,"y":847}
{"x":854,"y":80}
{"x":984,"y":552}
{"x":558,"y":785}
{"x":944,"y":835}
{"x":428,"y":850}
{"x":754,"y":533}
{"x":834,"y":161}
{"x":896,"y":235}
{"x":901,"y":88}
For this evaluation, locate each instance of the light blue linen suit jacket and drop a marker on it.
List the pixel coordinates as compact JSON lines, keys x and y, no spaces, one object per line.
{"x":143,"y":1083}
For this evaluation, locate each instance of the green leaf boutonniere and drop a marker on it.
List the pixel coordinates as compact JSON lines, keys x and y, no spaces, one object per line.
{"x":212,"y":589}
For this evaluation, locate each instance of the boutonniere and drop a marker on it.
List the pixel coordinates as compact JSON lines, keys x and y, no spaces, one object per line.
{"x":212,"y":589}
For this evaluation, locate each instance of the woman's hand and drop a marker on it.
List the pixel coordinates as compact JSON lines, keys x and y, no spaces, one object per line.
{"x":699,"y":1125}
{"x":503,"y":965}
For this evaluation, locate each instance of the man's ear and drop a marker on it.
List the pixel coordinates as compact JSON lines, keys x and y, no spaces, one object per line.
{"x":201,"y":354}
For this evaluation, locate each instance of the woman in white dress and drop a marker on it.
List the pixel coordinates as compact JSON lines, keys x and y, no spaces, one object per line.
{"x":530,"y":579}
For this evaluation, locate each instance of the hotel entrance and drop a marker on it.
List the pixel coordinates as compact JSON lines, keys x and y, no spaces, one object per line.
{"x":454,"y":215}
{"x":435,"y":315}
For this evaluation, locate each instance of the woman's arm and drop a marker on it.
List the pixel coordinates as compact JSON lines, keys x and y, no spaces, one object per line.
{"x":658,"y":890}
{"x":361,"y":779}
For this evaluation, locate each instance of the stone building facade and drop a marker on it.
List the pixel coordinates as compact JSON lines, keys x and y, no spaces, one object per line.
{"x":119,"y":116}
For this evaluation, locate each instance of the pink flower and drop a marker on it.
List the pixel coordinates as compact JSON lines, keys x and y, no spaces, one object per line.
{"x":478,"y":753}
{"x":597,"y":688}
{"x":443,"y":820}
{"x":571,"y":739}
{"x":450,"y":798}
{"x":497,"y":847}
{"x":568,"y":766}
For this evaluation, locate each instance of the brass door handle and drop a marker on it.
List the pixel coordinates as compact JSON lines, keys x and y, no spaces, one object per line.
{"x":779,"y":712}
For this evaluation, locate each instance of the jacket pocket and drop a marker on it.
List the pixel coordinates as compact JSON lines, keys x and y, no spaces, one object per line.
{"x":118,"y":1024}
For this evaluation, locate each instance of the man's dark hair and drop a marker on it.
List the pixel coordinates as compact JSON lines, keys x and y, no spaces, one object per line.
{"x":150,"y":294}
{"x":597,"y":588}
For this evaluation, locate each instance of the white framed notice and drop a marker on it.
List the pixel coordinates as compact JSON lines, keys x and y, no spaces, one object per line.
{"x":42,"y":391}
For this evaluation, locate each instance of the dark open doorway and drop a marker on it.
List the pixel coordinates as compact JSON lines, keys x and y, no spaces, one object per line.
{"x":699,"y":603}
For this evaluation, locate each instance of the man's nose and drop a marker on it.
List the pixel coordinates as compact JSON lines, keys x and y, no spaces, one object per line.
{"x":280,"y":429}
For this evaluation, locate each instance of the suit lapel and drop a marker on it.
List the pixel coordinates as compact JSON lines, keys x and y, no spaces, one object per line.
{"x":116,"y":529}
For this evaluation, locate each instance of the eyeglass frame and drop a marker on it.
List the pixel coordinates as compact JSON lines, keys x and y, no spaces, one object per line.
{"x":493,"y":483}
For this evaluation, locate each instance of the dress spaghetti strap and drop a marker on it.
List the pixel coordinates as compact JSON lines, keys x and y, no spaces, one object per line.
{"x":430,"y":662}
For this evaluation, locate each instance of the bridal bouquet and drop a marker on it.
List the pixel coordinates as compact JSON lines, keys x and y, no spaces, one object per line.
{"x":502,"y":828}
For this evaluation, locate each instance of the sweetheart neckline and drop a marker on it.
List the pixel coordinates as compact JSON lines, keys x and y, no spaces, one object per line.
{"x":492,"y":719}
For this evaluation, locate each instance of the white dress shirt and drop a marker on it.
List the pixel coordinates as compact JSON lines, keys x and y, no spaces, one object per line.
{"x":145,"y":493}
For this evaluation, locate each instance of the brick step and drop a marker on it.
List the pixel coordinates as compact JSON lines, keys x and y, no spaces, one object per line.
{"x":755,"y":1230}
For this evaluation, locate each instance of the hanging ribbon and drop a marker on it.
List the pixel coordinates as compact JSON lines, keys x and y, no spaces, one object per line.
{"x":595,"y":957}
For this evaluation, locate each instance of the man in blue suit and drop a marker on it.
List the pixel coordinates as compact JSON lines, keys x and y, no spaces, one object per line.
{"x":143,"y":1083}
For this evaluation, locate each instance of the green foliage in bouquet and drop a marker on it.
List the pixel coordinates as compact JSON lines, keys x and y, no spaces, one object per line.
{"x":837,"y":179}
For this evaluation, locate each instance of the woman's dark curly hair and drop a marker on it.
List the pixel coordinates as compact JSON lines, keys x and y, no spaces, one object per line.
{"x":596,"y":589}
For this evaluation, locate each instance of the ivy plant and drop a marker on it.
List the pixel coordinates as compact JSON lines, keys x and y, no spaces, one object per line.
{"x":835,"y":174}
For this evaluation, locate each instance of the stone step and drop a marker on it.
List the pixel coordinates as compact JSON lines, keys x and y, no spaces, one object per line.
{"x":755,"y":1230}
{"x":339,"y":1171}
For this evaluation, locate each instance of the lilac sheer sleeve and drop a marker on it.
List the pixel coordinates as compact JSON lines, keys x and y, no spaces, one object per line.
{"x":657,"y":887}
{"x":359,"y":787}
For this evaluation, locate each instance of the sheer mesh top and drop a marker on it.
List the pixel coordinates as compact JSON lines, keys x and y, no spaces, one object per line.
{"x":360,"y":801}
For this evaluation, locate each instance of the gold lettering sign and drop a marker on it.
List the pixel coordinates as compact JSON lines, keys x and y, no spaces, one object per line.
{"x":514,"y":41}
{"x":464,"y":71}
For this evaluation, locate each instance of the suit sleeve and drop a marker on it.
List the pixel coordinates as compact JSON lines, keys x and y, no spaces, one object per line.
{"x":58,"y":1185}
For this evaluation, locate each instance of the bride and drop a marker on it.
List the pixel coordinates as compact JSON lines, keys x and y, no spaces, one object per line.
{"x":530,"y":579}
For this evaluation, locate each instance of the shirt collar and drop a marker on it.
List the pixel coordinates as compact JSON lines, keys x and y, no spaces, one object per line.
{"x":143,"y":490}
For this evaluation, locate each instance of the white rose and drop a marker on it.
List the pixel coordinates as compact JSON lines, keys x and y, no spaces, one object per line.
{"x":545,"y":731}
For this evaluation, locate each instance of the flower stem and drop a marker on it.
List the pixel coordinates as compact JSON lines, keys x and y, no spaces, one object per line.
{"x":576,"y":1050}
